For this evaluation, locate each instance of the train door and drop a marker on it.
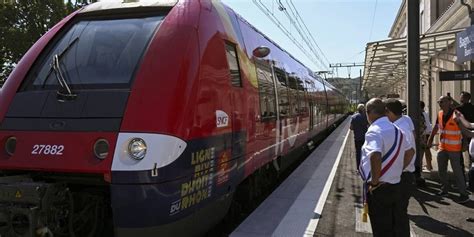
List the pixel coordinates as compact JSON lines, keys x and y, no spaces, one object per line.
{"x":284,"y":119}
{"x":309,"y":89}
{"x":283,"y":104}
{"x":297,"y":107}
{"x":326,"y":106}
{"x":269,"y":113}
{"x":238,"y":113}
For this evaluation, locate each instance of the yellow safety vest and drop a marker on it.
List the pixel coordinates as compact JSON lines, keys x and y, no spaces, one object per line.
{"x":450,"y":135}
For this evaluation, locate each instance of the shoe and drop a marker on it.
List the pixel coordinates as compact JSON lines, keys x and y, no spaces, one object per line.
{"x":463,"y":199}
{"x":427,"y":168}
{"x":442,"y":193}
{"x":420,"y":182}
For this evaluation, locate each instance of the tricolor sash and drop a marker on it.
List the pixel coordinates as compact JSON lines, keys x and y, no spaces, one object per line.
{"x":387,"y":161}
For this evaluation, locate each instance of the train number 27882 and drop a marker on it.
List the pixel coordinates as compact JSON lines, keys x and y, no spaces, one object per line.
{"x":47,"y":150}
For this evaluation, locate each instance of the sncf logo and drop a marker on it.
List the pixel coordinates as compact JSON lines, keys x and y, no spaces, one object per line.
{"x":222,"y":119}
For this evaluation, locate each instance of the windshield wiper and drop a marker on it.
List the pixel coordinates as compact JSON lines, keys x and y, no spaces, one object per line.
{"x":56,"y":68}
{"x":62,"y":81}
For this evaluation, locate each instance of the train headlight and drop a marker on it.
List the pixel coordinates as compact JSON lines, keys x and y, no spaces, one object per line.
{"x":101,"y":149}
{"x":137,"y":148}
{"x":10,"y":145}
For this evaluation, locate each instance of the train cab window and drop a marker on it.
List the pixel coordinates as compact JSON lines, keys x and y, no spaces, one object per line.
{"x":102,"y":53}
{"x":266,"y":91}
{"x":233,"y":61}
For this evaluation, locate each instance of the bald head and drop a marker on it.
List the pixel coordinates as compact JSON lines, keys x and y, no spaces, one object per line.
{"x":444,"y":102}
{"x":360,"y":108}
{"x":375,"y":109}
{"x":375,"y":106}
{"x":444,"y":98}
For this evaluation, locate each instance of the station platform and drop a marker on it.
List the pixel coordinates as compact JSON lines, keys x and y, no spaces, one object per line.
{"x":323,"y":196}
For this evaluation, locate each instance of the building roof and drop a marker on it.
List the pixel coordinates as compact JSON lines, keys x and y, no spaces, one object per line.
{"x":398,"y":20}
{"x":385,"y":61}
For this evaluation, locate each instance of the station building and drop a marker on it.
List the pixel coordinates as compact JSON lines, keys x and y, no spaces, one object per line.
{"x":385,"y":69}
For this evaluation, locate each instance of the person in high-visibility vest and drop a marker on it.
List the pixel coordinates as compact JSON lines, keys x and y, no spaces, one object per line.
{"x":449,"y":148}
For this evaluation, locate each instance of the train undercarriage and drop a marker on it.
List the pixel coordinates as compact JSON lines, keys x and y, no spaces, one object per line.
{"x":44,"y":206}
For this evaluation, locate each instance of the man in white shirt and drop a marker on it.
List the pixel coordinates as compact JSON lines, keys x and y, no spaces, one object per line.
{"x":385,"y":154}
{"x":394,"y":111}
{"x":426,"y":134}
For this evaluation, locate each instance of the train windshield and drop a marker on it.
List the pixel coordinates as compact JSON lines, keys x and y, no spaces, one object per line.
{"x":94,"y":54}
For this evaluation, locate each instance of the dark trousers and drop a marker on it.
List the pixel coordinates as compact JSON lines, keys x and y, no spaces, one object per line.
{"x":407,"y":188}
{"x":453,"y":157}
{"x":385,"y":210}
{"x":358,"y":147}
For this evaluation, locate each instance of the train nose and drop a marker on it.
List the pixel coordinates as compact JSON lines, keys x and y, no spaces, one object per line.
{"x":79,"y":152}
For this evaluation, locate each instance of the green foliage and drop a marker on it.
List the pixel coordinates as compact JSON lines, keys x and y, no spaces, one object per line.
{"x":24,"y":22}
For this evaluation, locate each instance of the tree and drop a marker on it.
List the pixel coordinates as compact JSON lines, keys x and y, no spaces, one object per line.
{"x":24,"y":22}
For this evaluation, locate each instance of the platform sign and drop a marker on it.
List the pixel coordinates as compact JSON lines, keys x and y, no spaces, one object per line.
{"x":456,"y":76}
{"x":465,"y":45}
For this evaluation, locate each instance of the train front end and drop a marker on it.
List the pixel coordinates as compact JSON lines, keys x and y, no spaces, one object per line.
{"x":75,"y":119}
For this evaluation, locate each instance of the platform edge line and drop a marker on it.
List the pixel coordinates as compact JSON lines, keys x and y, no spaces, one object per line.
{"x":313,"y":224}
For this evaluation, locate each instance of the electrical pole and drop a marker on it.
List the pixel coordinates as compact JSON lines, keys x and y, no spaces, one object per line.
{"x":413,"y":77}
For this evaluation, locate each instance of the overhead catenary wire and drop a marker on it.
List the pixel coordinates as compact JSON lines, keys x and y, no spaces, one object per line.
{"x":307,"y":30}
{"x":308,"y":51}
{"x":275,"y":21}
{"x":300,"y":26}
{"x":373,"y":21}
{"x":296,"y":24}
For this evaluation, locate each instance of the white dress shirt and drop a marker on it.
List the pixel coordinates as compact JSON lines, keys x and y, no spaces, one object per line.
{"x":427,"y":123}
{"x":406,"y":125}
{"x":380,"y":137}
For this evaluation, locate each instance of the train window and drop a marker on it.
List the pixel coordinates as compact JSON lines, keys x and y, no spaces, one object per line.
{"x":233,"y":61}
{"x":266,"y":90}
{"x":283,"y":97}
{"x":95,"y":54}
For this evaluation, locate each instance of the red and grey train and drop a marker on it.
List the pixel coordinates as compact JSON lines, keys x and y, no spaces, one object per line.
{"x":145,"y":116}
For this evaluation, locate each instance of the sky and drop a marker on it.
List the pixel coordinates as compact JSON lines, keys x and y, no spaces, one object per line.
{"x":341,"y":28}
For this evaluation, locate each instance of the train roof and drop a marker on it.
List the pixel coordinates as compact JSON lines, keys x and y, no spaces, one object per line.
{"x":310,"y":72}
{"x":123,"y":4}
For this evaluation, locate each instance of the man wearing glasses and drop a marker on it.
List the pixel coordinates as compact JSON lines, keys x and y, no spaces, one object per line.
{"x":449,"y":148}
